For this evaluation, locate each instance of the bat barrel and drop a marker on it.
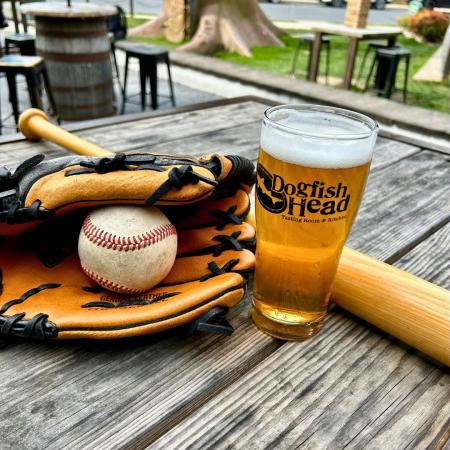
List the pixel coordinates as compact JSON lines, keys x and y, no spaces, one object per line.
{"x":405,"y":306}
{"x":34,"y":124}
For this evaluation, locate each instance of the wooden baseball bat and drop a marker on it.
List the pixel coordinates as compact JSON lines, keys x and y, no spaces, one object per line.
{"x":405,"y":306}
{"x":34,"y":124}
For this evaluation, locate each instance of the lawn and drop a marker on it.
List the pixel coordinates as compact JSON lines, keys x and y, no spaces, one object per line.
{"x":278,"y":60}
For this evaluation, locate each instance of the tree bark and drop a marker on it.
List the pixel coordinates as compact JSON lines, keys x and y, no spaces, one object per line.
{"x":232,"y":25}
{"x":170,"y":24}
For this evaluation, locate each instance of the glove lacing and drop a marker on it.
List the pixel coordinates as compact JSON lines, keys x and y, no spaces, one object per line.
{"x":177,"y":178}
{"x":11,"y":210}
{"x":227,"y":243}
{"x":226,"y":217}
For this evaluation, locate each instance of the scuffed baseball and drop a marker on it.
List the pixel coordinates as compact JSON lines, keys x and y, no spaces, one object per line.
{"x":127,"y":249}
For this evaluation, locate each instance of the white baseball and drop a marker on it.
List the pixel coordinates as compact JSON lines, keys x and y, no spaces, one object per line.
{"x":127,"y":249}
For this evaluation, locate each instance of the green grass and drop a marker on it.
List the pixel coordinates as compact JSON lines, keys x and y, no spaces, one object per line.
{"x":277,"y":60}
{"x":133,"y":22}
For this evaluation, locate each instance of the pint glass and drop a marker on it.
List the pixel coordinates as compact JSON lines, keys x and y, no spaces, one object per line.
{"x":312,"y":168}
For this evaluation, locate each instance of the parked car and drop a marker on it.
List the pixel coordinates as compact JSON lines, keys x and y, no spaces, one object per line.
{"x":430,"y":4}
{"x":376,"y":4}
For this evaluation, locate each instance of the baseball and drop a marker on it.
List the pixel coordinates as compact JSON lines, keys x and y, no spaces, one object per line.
{"x":127,"y":249}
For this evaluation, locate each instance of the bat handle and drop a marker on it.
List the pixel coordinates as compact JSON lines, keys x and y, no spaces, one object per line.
{"x":34,"y":124}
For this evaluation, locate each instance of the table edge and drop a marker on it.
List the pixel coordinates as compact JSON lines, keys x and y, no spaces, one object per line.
{"x":112,"y":120}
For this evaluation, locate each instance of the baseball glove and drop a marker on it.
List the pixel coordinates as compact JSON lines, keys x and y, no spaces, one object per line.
{"x":45,"y":294}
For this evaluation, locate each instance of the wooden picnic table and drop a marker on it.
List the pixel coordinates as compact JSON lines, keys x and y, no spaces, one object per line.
{"x":351,"y":386}
{"x":355,"y":35}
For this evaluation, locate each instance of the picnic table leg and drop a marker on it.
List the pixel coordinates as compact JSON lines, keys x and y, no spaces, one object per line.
{"x":351,"y":57}
{"x":315,"y":57}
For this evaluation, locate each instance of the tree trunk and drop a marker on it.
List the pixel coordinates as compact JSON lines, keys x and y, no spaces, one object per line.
{"x":233,"y":25}
{"x":171,"y":23}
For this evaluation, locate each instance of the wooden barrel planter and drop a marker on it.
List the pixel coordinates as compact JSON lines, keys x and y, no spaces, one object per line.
{"x":76,"y":49}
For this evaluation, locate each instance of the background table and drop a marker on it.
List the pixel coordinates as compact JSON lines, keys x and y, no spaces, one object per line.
{"x":351,"y":386}
{"x":75,"y":45}
{"x":355,"y":35}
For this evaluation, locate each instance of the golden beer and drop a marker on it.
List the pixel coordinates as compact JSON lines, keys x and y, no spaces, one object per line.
{"x":307,"y":197}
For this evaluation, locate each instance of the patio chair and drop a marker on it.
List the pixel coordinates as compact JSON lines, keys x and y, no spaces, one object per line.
{"x":33,"y":69}
{"x":388,"y":60}
{"x":148,"y":56}
{"x":22,"y":42}
{"x":308,"y":40}
{"x":372,"y":46}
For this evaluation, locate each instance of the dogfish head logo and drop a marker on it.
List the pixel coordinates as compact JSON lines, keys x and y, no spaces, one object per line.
{"x":298,"y":198}
{"x":273,"y":201}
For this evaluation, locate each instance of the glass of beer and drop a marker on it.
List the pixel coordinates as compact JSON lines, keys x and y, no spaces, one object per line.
{"x":312,"y":169}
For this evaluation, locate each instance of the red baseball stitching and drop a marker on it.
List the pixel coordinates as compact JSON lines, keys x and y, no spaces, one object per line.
{"x":111,"y":285}
{"x":102,"y":238}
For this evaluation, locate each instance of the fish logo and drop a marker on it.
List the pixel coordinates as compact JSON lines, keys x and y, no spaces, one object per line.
{"x":274,"y":202}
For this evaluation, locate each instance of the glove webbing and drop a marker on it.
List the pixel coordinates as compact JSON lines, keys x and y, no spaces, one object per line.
{"x":10,"y":208}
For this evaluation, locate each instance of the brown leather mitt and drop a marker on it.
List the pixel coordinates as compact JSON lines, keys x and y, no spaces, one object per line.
{"x":45,"y":294}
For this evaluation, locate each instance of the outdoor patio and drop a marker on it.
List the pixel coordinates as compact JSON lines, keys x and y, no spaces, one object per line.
{"x":185,"y":95}
{"x":255,"y":258}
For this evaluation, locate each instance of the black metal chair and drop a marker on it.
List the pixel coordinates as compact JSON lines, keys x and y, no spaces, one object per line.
{"x":372,"y":46}
{"x":148,"y":56}
{"x":308,"y":39}
{"x":25,"y":43}
{"x":388,"y":60}
{"x":117,"y":31}
{"x":33,"y":69}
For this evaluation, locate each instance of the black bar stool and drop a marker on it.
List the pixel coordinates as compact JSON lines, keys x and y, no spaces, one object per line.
{"x":33,"y":69}
{"x":388,"y":60}
{"x":308,"y":40}
{"x":372,"y":47}
{"x":149,"y":56}
{"x":24,"y":42}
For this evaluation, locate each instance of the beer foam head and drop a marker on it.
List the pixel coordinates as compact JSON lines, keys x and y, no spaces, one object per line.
{"x":318,"y":136}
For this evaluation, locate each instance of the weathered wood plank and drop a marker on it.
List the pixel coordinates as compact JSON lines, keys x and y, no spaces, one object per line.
{"x":94,"y":395}
{"x":244,"y":140}
{"x":145,"y":133}
{"x":105,"y":389}
{"x":324,"y":393}
{"x":229,"y":129}
{"x":388,"y":152}
{"x":430,"y":259}
{"x":402,"y":204}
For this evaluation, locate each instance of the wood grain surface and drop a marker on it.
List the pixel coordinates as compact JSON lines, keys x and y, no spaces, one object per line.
{"x":350,"y":387}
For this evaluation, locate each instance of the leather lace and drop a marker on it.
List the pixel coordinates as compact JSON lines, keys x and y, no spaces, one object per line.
{"x":16,"y":214}
{"x":16,"y":325}
{"x":227,"y":243}
{"x":216,"y":270}
{"x":177,"y":178}
{"x":226,"y":217}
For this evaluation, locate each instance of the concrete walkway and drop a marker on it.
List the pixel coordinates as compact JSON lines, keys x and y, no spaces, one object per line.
{"x":184,"y":95}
